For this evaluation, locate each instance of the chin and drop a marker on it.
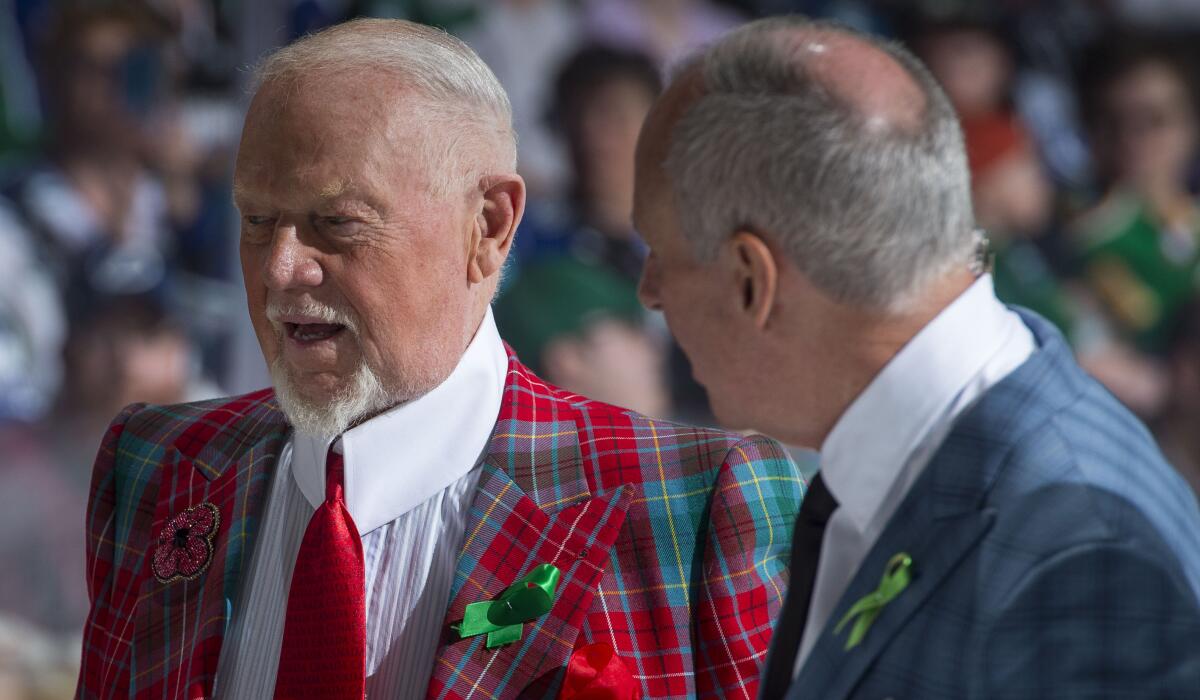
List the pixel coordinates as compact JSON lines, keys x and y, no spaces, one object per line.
{"x":328,"y":413}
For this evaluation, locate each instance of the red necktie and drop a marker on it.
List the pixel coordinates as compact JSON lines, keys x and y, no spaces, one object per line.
{"x":324,"y":637}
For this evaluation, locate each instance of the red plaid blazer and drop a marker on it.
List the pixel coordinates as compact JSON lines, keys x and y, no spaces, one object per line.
{"x":673,"y":543}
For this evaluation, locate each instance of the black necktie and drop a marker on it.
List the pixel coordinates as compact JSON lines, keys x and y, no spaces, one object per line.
{"x":818,"y":505}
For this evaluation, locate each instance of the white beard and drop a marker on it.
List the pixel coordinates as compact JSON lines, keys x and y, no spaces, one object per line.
{"x":363,"y":396}
{"x":360,"y":398}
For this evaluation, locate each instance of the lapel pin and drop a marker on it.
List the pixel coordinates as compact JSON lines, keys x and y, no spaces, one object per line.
{"x":185,"y":546}
{"x":503,"y":618}
{"x":896,"y":577}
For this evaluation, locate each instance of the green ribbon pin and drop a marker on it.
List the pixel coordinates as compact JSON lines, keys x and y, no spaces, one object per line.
{"x":504,"y":618}
{"x":896,"y":576}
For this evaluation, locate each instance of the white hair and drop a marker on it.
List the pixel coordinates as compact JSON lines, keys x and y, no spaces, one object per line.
{"x":869,"y":215}
{"x":468,"y":112}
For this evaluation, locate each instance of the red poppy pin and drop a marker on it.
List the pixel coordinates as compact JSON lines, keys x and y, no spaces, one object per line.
{"x":185,"y":544}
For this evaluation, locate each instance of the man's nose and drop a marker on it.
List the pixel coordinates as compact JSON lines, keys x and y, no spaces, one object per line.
{"x":291,"y":263}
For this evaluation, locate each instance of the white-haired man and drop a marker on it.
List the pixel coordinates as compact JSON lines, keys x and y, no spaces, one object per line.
{"x":410,"y":512}
{"x":988,"y":522}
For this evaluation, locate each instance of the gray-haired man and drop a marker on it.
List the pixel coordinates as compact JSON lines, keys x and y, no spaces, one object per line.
{"x":988,"y":521}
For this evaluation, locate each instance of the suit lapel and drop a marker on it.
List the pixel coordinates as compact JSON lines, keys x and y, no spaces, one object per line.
{"x":938,"y":523}
{"x":533,"y":506}
{"x":945,"y":514}
{"x":225,"y":459}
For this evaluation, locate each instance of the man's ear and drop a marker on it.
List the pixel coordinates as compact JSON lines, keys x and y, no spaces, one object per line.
{"x":495,"y":226}
{"x":757,"y":275}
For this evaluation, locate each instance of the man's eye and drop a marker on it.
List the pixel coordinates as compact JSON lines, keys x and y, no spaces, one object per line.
{"x":338,"y":220}
{"x":257,"y":220}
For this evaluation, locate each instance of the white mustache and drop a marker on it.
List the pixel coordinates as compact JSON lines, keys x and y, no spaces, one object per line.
{"x":315,"y":309}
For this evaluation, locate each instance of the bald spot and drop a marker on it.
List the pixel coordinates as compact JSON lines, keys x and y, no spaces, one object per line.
{"x":860,"y":75}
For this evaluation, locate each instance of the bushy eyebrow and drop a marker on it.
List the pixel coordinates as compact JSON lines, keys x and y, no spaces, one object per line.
{"x":335,"y":188}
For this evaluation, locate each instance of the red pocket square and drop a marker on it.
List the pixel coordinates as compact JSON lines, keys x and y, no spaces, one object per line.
{"x":595,"y":672}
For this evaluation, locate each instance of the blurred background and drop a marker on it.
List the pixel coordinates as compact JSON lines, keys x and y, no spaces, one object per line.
{"x":118,"y":254}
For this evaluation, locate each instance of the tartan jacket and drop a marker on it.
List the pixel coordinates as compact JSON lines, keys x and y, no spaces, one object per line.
{"x":673,"y":544}
{"x":1055,"y":555}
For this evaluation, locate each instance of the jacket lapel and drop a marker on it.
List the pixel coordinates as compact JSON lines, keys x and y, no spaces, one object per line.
{"x":937,"y":524}
{"x":533,"y":506}
{"x":225,"y":459}
{"x":945,"y":514}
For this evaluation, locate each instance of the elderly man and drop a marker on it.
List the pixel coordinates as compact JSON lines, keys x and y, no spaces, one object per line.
{"x":410,"y":512}
{"x":988,"y":522}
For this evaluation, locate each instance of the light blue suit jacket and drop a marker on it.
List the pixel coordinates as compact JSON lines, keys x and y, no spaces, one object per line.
{"x":1055,"y":555}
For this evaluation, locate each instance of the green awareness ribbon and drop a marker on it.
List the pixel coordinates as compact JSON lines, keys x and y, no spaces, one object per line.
{"x":896,"y":577}
{"x":503,"y":619}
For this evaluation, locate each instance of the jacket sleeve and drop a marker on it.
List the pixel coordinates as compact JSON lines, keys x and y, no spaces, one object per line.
{"x":756,"y":498}
{"x":1098,"y":620}
{"x":100,"y":634}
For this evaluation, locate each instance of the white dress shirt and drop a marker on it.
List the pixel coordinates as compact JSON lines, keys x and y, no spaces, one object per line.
{"x":410,"y":477}
{"x":887,"y":436}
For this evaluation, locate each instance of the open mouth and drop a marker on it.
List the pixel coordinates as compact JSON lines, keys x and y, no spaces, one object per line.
{"x":312,"y":332}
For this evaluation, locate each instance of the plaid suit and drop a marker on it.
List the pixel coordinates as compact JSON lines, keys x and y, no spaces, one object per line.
{"x":1055,"y":555}
{"x":672,"y":543}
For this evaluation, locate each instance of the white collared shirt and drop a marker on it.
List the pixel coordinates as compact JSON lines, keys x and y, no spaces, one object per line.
{"x":887,"y":436}
{"x":411,"y":473}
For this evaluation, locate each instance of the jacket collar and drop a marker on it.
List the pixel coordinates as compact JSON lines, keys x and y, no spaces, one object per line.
{"x":533,"y":506}
{"x":224,"y":459}
{"x":946,"y":513}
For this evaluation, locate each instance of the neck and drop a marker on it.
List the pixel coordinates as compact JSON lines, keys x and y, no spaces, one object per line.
{"x":846,"y":350}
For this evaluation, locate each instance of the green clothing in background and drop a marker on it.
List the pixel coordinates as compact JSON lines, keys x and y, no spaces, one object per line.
{"x":560,"y":297}
{"x":1143,"y":274}
{"x":1022,"y":276}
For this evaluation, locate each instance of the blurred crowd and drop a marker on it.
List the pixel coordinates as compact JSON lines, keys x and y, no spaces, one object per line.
{"x":119,"y":279}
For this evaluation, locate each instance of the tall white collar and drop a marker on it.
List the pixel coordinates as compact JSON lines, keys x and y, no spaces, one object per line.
{"x":969,"y":346}
{"x":400,"y":458}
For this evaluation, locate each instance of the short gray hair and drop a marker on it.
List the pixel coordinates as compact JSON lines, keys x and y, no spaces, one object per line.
{"x":457,"y":86}
{"x":870,"y":216}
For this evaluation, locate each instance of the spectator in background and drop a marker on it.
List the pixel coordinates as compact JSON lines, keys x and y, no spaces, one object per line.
{"x":1014,"y":202}
{"x":581,"y":327}
{"x":601,"y":97}
{"x":666,"y":30}
{"x":972,"y":64}
{"x":98,"y":213}
{"x":1178,"y":431}
{"x":525,"y":42}
{"x":126,"y":351}
{"x":1012,"y":197}
{"x":1139,"y":247}
{"x":32,"y":327}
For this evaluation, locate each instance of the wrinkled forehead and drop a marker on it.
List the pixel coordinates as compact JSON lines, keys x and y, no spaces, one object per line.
{"x":350,"y":128}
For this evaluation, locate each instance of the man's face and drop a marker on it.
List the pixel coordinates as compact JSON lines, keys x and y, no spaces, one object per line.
{"x":352,"y":263}
{"x":694,"y":296}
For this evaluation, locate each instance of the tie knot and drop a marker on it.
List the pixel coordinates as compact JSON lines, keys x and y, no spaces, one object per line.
{"x":335,"y":476}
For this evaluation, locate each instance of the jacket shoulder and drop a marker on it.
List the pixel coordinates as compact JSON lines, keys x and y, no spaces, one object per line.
{"x":1091,"y":475}
{"x":150,"y":429}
